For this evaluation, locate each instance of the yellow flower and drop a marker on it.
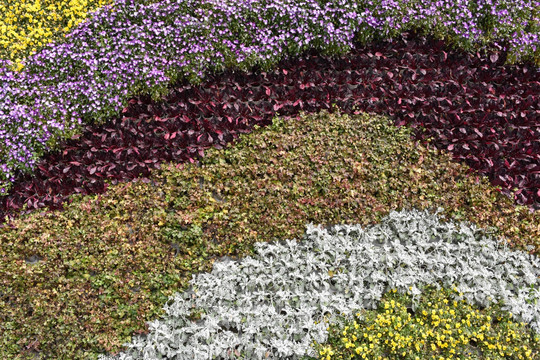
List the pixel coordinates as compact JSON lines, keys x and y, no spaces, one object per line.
{"x":22,"y":24}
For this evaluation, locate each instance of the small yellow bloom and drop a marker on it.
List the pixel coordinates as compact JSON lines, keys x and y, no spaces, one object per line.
{"x":22,"y":24}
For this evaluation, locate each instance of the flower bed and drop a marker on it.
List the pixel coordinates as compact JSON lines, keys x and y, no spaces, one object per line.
{"x":90,"y":75}
{"x":488,"y":121}
{"x":28,"y":26}
{"x":277,"y":303}
{"x":80,"y":282}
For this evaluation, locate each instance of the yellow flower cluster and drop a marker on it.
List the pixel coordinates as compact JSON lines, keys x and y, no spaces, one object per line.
{"x":27,"y":25}
{"x":440,"y":328}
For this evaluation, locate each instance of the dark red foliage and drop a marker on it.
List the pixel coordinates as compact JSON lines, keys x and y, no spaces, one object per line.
{"x":484,"y":113}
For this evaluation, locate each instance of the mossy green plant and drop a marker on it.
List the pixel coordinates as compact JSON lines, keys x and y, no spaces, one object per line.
{"x":80,"y":282}
{"x":333,"y":169}
{"x":436,"y":327}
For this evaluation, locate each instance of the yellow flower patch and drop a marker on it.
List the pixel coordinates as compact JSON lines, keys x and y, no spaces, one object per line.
{"x":27,"y":25}
{"x":437,"y":329}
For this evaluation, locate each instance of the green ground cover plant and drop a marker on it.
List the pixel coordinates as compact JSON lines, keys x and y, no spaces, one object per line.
{"x":80,"y":282}
{"x":435,"y":327}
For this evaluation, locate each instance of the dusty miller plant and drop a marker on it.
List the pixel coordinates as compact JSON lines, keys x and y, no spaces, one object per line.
{"x":274,"y":305}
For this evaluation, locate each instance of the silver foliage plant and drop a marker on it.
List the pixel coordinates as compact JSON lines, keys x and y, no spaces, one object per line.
{"x":274,"y":305}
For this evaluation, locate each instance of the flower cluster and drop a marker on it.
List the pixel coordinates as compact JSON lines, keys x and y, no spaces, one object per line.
{"x":137,"y":47}
{"x":26,"y":26}
{"x":517,"y":22}
{"x":439,"y":327}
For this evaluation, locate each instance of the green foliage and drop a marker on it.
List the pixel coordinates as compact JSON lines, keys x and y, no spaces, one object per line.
{"x":438,"y":326}
{"x":103,"y":273}
{"x":108,"y":262}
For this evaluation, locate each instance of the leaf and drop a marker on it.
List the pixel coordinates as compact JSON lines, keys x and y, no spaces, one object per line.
{"x":277,"y":107}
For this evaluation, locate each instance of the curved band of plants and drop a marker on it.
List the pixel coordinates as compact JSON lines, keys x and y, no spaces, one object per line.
{"x":90,"y":75}
{"x":81,"y":282}
{"x":444,"y":94}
